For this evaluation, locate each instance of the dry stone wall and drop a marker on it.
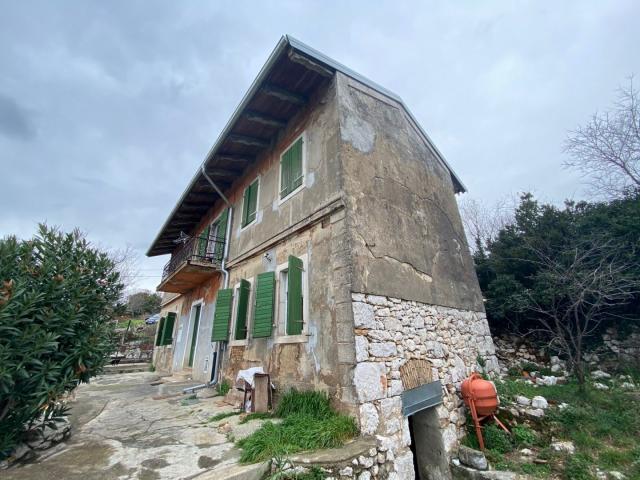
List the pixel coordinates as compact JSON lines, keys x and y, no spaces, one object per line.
{"x":389,"y":333}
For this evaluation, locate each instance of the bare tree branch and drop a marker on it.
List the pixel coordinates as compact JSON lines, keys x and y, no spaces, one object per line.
{"x":607,"y":149}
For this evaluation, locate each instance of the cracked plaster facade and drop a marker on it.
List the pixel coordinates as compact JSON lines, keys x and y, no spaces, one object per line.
{"x":378,"y":221}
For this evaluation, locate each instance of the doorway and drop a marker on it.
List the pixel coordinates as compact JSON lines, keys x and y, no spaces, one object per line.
{"x":195,"y":312}
{"x":429,"y":458}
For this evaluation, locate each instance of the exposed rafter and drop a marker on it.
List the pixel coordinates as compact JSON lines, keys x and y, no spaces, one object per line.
{"x":308,"y":63}
{"x":263,"y":119}
{"x":240,"y":160}
{"x":247,"y":140}
{"x":284,"y":95}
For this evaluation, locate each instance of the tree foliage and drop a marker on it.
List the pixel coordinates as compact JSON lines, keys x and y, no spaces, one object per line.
{"x":514,"y":268}
{"x":57,"y":293}
{"x":143,"y":302}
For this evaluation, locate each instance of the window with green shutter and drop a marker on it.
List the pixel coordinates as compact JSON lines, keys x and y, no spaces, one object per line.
{"x":263,"y":312}
{"x":295,"y":300}
{"x":250,"y":203}
{"x":242,"y":309}
{"x":291,"y":174}
{"x":222,"y":316}
{"x":160,"y":332}
{"x":167,"y":336}
{"x":221,"y":233}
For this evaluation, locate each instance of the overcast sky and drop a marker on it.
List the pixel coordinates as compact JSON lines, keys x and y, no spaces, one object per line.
{"x":107,"y":108}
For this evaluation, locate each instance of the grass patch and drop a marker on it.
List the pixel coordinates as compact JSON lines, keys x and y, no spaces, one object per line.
{"x":256,"y":416}
{"x":309,"y":423}
{"x":221,"y":416}
{"x":223,"y":388}
{"x":603,"y":425}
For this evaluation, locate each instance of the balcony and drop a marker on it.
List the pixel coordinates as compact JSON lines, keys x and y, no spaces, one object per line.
{"x":193,"y":262}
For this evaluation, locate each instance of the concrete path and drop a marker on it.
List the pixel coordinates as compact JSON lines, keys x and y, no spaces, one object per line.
{"x":123,"y":429}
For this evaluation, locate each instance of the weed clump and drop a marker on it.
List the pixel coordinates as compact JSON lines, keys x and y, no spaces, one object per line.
{"x":308,"y":423}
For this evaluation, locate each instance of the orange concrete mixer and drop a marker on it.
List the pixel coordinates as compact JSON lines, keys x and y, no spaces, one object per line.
{"x":481,"y":397}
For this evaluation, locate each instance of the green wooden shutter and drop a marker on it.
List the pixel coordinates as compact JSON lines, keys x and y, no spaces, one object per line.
{"x":222,"y":316}
{"x":296,"y":164}
{"x":221,"y":235}
{"x":285,"y":174}
{"x":203,"y":241}
{"x":245,"y":206}
{"x":294,"y":297}
{"x":263,"y":316}
{"x":167,"y":336}
{"x":291,"y":169}
{"x":160,"y":332}
{"x":253,"y":201}
{"x":250,"y":203}
{"x":243,"y":304}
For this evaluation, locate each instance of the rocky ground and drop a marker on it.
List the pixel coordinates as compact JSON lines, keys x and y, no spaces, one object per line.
{"x":124,"y":427}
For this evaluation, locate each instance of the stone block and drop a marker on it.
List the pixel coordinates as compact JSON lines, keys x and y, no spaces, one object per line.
{"x":369,"y":419}
{"x":362,"y":348}
{"x":384,"y":349}
{"x":370,"y":381}
{"x":363,"y":315}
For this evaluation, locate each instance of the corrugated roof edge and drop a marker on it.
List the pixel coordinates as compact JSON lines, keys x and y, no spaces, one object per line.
{"x":288,"y":40}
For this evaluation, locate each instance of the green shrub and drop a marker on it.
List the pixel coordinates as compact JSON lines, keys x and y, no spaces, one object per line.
{"x":223,"y":388}
{"x":524,"y":436}
{"x":497,"y":439}
{"x":57,"y":295}
{"x":577,"y":467}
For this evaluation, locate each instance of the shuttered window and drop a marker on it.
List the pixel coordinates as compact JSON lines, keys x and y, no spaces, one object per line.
{"x":159,"y":332}
{"x":295,"y":320}
{"x":291,"y":174}
{"x":222,"y":315}
{"x":250,"y":203}
{"x":167,"y":336}
{"x":221,"y":233}
{"x":263,"y":313}
{"x":242,"y":309}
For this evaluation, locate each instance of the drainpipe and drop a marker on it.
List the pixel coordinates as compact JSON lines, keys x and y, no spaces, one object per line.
{"x":225,"y":272}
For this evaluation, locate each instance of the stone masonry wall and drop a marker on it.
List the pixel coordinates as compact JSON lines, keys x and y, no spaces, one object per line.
{"x":390,"y":332}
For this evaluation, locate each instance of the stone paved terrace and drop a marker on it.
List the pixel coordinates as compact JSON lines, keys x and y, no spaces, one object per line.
{"x":123,"y":429}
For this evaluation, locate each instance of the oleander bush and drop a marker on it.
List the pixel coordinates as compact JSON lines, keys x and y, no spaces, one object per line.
{"x":57,"y":295}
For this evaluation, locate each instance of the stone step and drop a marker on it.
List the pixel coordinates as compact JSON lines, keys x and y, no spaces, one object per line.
{"x":126,"y":368}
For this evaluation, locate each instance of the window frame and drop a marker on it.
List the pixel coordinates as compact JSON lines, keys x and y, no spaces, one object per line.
{"x":281,"y":335}
{"x":302,"y":136}
{"x":233,"y":342}
{"x":255,"y":219}
{"x":189,"y":339}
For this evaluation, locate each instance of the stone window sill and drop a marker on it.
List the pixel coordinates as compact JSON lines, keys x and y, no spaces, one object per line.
{"x":303,"y":338}
{"x":238,"y":343}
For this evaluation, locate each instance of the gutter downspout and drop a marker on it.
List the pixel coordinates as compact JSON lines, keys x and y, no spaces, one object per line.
{"x":225,"y":272}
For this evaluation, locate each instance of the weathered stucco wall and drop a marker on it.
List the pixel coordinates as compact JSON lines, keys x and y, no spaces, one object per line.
{"x":163,"y":356}
{"x":317,"y":359}
{"x":408,"y":239}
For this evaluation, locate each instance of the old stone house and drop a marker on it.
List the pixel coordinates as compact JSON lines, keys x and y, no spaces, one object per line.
{"x":321,"y":240}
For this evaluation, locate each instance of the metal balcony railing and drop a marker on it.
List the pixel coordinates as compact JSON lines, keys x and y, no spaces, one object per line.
{"x":200,"y":250}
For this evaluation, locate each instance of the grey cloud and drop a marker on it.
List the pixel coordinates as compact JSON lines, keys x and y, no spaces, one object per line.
{"x":129,"y":98}
{"x":15,"y":121}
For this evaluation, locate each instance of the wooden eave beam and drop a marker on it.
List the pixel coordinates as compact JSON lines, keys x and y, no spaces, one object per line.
{"x":306,"y":62}
{"x":222,"y":172}
{"x":239,"y":160}
{"x":261,"y":118}
{"x":283,"y":94}
{"x":247,"y":140}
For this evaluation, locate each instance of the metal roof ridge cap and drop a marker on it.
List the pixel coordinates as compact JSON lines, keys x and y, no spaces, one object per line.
{"x":250,"y":91}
